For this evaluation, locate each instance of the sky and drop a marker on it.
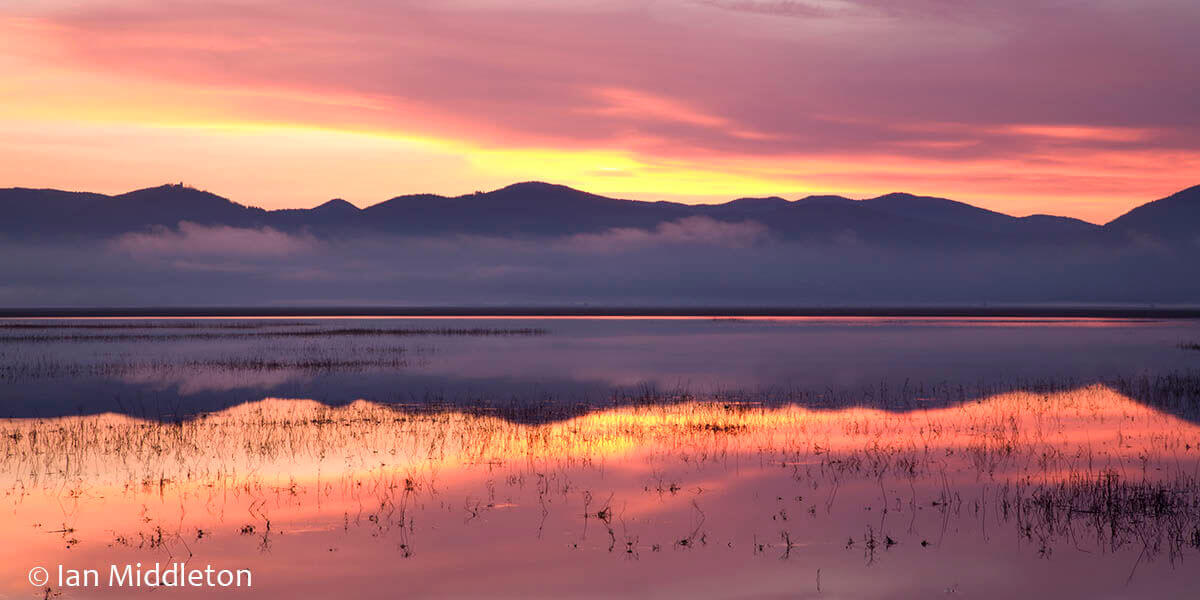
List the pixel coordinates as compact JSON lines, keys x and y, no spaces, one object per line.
{"x":1084,"y":109}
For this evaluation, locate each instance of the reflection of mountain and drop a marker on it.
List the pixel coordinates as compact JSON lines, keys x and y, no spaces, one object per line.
{"x":273,"y":483}
{"x":540,"y":209}
{"x":170,"y":368}
{"x":182,"y":394}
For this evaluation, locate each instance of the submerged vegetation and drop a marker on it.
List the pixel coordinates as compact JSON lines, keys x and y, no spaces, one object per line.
{"x":1085,"y":468}
{"x":355,"y":462}
{"x":82,"y":349}
{"x":304,"y":360}
{"x":157,"y":324}
{"x":272,"y":333}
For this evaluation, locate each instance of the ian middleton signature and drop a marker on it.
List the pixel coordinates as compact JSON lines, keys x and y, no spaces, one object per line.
{"x":137,"y":575}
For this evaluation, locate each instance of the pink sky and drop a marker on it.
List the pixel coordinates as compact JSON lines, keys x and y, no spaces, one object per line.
{"x":1082,"y":109}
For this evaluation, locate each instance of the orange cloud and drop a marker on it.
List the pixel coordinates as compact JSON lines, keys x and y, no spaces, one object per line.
{"x":282,"y":105}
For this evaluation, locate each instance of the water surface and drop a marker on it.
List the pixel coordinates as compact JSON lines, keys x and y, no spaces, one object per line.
{"x":840,"y":458}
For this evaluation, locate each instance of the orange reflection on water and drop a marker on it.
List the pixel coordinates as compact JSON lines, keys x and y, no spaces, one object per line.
{"x":690,"y":488}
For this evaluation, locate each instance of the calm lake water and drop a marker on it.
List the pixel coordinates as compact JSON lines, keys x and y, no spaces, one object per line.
{"x":727,"y":458}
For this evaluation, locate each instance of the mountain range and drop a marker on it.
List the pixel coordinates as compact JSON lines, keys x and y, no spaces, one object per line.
{"x":535,"y":209}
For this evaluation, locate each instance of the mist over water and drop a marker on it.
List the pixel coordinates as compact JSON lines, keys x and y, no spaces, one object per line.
{"x":692,"y":262}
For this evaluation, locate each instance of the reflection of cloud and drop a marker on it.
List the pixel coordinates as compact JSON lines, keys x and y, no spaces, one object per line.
{"x":192,"y":239}
{"x":193,"y":380}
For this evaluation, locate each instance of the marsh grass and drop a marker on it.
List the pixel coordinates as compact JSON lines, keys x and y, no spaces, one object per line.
{"x":1150,"y":514}
{"x":1085,"y":468}
{"x":108,"y":325}
{"x":305,"y":360}
{"x":273,"y":333}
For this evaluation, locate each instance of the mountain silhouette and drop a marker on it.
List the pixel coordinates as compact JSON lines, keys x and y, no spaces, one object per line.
{"x":51,"y":212}
{"x":30,"y":212}
{"x":1175,"y":218}
{"x":536,"y":209}
{"x":531,"y":208}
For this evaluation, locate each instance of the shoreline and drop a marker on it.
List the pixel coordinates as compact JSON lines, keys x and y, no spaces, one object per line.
{"x":1016,"y":311}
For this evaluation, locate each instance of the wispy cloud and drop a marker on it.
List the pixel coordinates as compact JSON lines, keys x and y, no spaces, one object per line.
{"x":787,"y":8}
{"x":689,"y":96}
{"x":191,"y":240}
{"x":698,"y":231}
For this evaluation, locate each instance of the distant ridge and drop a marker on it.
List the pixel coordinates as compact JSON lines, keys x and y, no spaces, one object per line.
{"x":1174,"y":218}
{"x":538,"y":209}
